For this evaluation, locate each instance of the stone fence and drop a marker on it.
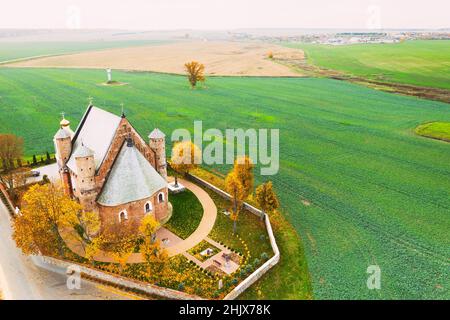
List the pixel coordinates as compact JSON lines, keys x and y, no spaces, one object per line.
{"x":117,"y":280}
{"x":4,"y":197}
{"x":244,"y":285}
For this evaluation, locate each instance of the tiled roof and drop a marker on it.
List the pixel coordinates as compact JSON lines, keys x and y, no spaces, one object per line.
{"x":131,"y":178}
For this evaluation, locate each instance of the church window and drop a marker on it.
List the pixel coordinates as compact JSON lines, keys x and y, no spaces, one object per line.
{"x":123,"y":216}
{"x":148,"y":207}
{"x":161,"y":197}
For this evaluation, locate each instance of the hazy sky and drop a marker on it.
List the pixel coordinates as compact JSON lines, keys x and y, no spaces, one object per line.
{"x":224,"y":14}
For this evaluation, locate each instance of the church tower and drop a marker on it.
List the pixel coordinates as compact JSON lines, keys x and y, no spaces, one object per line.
{"x":157,"y":143}
{"x":63,"y":149}
{"x":85,"y":178}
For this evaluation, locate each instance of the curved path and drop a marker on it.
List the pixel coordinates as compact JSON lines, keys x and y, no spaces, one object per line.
{"x":206,"y":224}
{"x":176,"y":247}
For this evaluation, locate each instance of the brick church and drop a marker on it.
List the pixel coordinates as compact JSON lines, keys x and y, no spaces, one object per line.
{"x":110,"y":169}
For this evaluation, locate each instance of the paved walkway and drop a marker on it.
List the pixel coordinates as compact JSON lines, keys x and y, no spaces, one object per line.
{"x":206,"y":224}
{"x":176,"y":245}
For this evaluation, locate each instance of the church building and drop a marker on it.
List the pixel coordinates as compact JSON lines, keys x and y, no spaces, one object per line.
{"x":110,"y":169}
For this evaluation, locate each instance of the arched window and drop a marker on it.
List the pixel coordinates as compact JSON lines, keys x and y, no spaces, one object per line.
{"x":161,"y":197}
{"x":123,"y":215}
{"x":148,"y":207}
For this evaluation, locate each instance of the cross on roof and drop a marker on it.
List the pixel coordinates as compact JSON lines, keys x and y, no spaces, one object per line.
{"x":123,"y":113}
{"x":90,"y":99}
{"x":62,"y":114}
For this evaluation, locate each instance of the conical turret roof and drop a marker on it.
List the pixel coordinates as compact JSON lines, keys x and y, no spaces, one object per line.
{"x":62,"y":134}
{"x":156,"y":134}
{"x":83,"y":152}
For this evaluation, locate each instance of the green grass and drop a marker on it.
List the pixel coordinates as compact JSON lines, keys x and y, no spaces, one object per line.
{"x":378,"y":193}
{"x":251,"y":234}
{"x":436,"y":130}
{"x":22,"y":50}
{"x":187,"y":214}
{"x":422,"y":63}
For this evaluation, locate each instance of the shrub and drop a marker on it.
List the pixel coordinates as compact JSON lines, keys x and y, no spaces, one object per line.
{"x":45,"y":179}
{"x":181,"y":286}
{"x":256,"y":263}
{"x":264,"y":256}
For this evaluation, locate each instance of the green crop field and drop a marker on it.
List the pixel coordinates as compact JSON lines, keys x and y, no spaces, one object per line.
{"x":422,"y":63}
{"x":436,"y":130}
{"x":21,"y":50}
{"x":358,"y":184}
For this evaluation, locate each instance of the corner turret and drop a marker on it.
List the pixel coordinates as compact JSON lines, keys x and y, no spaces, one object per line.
{"x":157,"y":142}
{"x":85,"y":177}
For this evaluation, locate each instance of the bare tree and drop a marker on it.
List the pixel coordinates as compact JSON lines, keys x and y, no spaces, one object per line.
{"x":11,"y":148}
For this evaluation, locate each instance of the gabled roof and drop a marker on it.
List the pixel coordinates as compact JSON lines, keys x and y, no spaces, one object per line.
{"x":96,"y":130}
{"x":131,"y":178}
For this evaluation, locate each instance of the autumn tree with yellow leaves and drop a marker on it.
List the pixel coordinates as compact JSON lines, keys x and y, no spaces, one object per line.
{"x":185,"y":157}
{"x":243,"y":168}
{"x":119,"y":240}
{"x":46,"y":209}
{"x":239,"y":184}
{"x":149,"y":226}
{"x":195,"y":72}
{"x":267,"y":198}
{"x":155,"y":256}
{"x":234,"y":187}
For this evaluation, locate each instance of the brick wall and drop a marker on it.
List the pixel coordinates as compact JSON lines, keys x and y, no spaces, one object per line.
{"x":135,"y":210}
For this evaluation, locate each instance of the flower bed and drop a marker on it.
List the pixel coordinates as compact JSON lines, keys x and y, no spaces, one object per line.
{"x":201,"y":247}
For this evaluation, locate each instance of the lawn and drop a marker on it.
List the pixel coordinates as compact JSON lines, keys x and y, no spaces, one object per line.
{"x":422,"y":63}
{"x":359,"y":186}
{"x":187,"y":214}
{"x":250,"y":236}
{"x":22,"y":50}
{"x":435,"y":130}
